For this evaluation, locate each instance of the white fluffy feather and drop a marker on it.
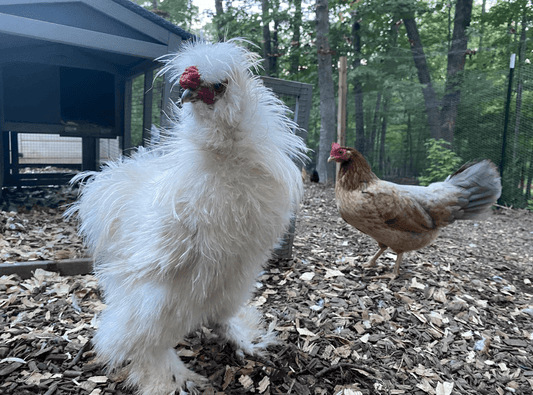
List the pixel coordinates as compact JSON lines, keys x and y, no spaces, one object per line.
{"x":179,"y":232}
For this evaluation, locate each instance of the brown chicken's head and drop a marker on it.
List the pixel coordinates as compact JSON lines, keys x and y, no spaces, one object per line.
{"x":196,"y":89}
{"x":338,"y":153}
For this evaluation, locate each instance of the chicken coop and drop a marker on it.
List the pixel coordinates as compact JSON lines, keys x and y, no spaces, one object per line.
{"x":66,"y":75}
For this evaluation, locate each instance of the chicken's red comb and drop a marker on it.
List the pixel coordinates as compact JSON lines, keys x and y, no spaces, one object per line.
{"x":335,"y":146}
{"x":190,"y":79}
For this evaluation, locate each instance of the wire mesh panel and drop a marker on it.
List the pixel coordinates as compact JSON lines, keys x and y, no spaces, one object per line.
{"x":495,"y":122}
{"x":48,"y":149}
{"x":109,"y":150}
{"x":137,"y":107}
{"x":517,"y":139}
{"x":52,"y":149}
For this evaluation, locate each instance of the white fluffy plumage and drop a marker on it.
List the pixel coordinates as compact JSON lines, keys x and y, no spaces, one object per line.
{"x":179,"y":232}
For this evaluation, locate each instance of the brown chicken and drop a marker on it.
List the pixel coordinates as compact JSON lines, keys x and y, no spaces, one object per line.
{"x":408,"y":217}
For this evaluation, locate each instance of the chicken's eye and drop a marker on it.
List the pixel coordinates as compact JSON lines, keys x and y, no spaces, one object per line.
{"x":219,"y":87}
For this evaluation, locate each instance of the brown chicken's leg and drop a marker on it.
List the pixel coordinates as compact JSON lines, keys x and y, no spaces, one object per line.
{"x":372,"y":261}
{"x":396,"y":271}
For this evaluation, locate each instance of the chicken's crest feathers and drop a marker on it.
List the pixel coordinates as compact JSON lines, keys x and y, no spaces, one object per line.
{"x":214,"y":62}
{"x":245,"y":114}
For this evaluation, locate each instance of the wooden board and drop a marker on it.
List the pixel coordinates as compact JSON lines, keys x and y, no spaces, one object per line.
{"x":65,"y":267}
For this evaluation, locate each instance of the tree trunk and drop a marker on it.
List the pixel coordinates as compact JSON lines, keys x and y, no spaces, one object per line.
{"x":358,"y":91}
{"x":409,"y":148}
{"x":456,"y":63}
{"x":219,"y":12}
{"x":295,"y":41}
{"x":430,"y":99}
{"x":267,"y":44}
{"x":482,"y":29}
{"x":373,"y":134}
{"x":529,"y":181}
{"x":326,"y":172}
{"x":275,"y":42}
{"x":442,"y":123}
{"x":449,"y":5}
{"x":383,"y":135}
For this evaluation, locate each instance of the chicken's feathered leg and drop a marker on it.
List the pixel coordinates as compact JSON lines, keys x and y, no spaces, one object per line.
{"x":246,"y":332}
{"x":372,"y":261}
{"x":138,"y":328}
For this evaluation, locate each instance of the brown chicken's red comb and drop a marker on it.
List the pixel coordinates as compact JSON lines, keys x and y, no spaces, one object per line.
{"x":335,"y":146}
{"x":190,"y":79}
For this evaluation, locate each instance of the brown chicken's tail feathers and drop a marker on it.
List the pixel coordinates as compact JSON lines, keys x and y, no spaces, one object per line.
{"x":482,"y":182}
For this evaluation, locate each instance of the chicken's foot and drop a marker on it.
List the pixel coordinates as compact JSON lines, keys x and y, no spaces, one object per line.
{"x":396,"y":271}
{"x":372,"y":261}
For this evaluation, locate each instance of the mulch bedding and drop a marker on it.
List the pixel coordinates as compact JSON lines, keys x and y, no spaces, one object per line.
{"x":456,"y":321}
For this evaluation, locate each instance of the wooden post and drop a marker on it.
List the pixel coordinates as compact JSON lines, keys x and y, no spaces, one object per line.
{"x":126,"y":101}
{"x":88,"y":153}
{"x":147,"y":107}
{"x":15,"y":175}
{"x":167,"y":104}
{"x":341,"y":112}
{"x":2,"y":139}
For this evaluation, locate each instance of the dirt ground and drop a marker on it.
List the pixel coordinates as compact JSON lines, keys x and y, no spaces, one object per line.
{"x":458,"y":320}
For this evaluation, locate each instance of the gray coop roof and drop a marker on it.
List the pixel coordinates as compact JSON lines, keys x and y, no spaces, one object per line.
{"x":117,"y":36}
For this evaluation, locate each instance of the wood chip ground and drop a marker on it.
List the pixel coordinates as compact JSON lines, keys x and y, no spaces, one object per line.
{"x":458,"y":320}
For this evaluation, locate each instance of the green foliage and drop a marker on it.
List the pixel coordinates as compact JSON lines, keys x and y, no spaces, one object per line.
{"x":387,"y":72}
{"x":180,"y":12}
{"x":442,"y":162}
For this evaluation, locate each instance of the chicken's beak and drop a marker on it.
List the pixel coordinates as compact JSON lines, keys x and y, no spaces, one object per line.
{"x":186,"y":96}
{"x":330,"y":159}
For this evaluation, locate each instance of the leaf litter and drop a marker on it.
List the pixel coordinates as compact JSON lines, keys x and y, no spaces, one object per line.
{"x":456,"y":321}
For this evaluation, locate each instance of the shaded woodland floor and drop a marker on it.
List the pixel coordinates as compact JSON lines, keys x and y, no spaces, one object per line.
{"x":458,"y":320}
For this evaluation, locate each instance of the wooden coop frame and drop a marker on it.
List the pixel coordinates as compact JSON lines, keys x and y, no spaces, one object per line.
{"x":54,"y":51}
{"x":302,"y":94}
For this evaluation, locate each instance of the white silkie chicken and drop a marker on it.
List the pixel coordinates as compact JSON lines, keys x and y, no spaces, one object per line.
{"x":180,"y":232}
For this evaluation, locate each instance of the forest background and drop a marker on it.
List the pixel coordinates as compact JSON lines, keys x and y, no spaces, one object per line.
{"x":430,"y":84}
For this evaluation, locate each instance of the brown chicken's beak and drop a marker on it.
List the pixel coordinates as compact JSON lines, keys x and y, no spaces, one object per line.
{"x":330,"y":159}
{"x":186,"y":96}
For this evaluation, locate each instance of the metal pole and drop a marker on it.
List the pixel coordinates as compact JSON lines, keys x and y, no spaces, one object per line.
{"x":506,"y":118}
